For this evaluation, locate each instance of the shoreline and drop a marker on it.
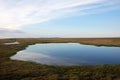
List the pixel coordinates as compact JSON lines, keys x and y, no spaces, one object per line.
{"x":21,"y":70}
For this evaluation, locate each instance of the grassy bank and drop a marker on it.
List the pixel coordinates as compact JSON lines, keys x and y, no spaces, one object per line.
{"x":20,"y":70}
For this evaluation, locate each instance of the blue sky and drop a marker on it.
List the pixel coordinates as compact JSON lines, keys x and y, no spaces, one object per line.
{"x":59,"y":18}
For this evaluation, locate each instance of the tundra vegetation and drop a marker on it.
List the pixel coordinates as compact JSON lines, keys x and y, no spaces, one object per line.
{"x":21,"y":70}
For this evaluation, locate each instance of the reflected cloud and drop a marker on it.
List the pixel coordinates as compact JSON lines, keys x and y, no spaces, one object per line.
{"x":46,"y":59}
{"x":12,"y":43}
{"x":68,"y":54}
{"x":39,"y":58}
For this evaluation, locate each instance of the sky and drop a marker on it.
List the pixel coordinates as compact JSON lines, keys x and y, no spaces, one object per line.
{"x":59,"y":18}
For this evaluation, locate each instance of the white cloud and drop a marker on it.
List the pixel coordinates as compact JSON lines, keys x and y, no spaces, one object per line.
{"x":9,"y":33}
{"x":14,"y":14}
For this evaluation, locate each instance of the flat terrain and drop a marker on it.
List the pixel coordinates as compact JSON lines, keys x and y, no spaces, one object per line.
{"x":20,"y":70}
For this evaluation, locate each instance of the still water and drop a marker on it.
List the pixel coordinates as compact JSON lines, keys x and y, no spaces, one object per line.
{"x":69,"y":54}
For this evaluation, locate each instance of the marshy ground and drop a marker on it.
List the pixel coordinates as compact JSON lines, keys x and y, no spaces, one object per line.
{"x":21,"y":70}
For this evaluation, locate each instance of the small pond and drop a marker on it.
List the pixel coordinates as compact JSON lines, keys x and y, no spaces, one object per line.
{"x":69,"y":54}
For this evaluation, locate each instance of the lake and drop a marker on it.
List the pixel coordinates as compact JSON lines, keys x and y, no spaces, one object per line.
{"x":69,"y":54}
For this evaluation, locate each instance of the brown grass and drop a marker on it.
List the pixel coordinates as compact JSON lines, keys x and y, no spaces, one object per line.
{"x":20,"y":70}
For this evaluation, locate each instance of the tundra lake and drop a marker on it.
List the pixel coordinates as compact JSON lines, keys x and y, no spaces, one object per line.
{"x":69,"y":54}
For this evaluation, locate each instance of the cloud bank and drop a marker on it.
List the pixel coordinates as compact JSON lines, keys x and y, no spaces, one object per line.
{"x":14,"y":14}
{"x":9,"y":33}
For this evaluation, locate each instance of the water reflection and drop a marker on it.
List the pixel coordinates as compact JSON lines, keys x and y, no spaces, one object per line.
{"x":42,"y":58}
{"x":11,"y":43}
{"x":69,"y":54}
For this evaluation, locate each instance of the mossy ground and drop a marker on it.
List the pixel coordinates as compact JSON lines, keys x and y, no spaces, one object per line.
{"x":21,"y":70}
